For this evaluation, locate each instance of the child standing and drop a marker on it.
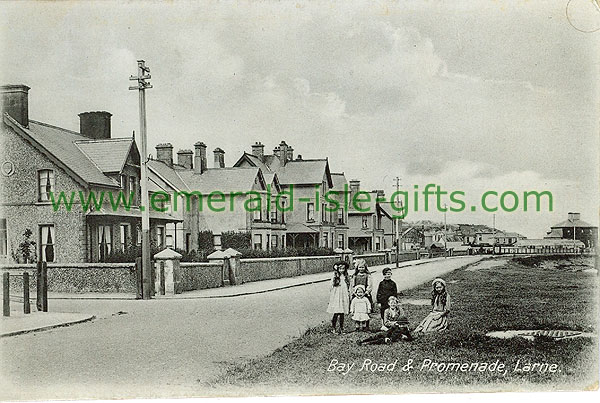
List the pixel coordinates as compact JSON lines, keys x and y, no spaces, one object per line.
{"x":396,"y":322}
{"x":363,"y":277}
{"x":386,"y":289}
{"x":338,"y":295}
{"x":360,"y":308}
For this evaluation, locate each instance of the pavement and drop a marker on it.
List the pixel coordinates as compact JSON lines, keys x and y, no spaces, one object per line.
{"x":174,"y":347}
{"x":19,"y":323}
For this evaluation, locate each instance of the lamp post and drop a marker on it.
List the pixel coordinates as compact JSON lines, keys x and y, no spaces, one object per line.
{"x":143,"y":75}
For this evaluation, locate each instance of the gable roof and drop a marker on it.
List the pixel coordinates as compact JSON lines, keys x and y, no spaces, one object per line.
{"x":573,"y":223}
{"x":225,"y":180}
{"x":60,"y":145}
{"x":339,"y":181}
{"x":304,"y":172}
{"x":296,"y":172}
{"x":109,"y":155}
{"x":167,"y":174}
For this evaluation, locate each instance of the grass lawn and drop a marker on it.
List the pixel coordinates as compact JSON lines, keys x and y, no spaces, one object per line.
{"x":521,"y":293}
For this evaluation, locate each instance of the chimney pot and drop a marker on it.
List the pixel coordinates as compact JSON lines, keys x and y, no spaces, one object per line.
{"x":200,"y":165}
{"x":219,"y":158}
{"x":185,"y":158}
{"x":95,"y":125}
{"x":258,"y":150}
{"x":15,"y":102}
{"x":164,"y":153}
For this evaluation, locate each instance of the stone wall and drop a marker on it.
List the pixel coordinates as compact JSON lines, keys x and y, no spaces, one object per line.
{"x":77,"y":277}
{"x":199,"y":276}
{"x":271,"y":268}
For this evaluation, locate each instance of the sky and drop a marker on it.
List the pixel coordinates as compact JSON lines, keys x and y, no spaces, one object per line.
{"x":469,"y":95}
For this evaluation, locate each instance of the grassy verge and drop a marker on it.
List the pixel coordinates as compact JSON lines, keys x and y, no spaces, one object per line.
{"x":525,"y":293}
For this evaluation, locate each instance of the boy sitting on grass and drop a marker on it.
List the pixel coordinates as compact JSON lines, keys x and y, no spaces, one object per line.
{"x":396,"y":322}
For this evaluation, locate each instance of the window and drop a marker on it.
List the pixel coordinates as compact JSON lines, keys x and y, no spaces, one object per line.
{"x":3,"y":237}
{"x":340,"y":214}
{"x":188,"y":239}
{"x":310,"y":212}
{"x":169,"y":241}
{"x":160,"y":237}
{"x":341,"y":241}
{"x":47,"y":242}
{"x":133,"y":188}
{"x":326,"y":240}
{"x":323,"y":213}
{"x":104,"y":242}
{"x":268,"y":241}
{"x":365,"y":222}
{"x":125,"y":185}
{"x":125,"y":232}
{"x":273,"y":212}
{"x":274,"y":242}
{"x":283,"y":211}
{"x":378,"y":243}
{"x":283,"y":241}
{"x":45,"y":184}
{"x":257,"y":241}
{"x":257,"y":212}
{"x":138,"y":231}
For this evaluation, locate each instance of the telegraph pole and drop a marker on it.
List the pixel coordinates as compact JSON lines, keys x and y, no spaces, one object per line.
{"x":397,"y":221}
{"x":445,"y":233}
{"x":143,"y":75}
{"x":494,"y":234}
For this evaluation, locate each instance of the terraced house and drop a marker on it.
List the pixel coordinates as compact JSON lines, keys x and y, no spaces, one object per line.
{"x":308,"y":222}
{"x":40,"y":160}
{"x":233,"y":205}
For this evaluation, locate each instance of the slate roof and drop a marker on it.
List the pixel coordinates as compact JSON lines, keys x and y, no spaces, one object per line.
{"x":171,"y":175}
{"x":109,"y":155}
{"x":339,"y":180}
{"x":297,"y":172}
{"x":574,"y":223}
{"x":225,"y":180}
{"x":64,"y":145}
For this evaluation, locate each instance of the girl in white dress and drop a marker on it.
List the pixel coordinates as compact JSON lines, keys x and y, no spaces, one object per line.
{"x":360,"y":308}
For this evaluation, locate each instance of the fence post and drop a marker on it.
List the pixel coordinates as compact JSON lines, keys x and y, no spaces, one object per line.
{"x":162,"y":277}
{"x":138,"y":278}
{"x":26,"y":305}
{"x":5,"y":294}
{"x":44,"y":287}
{"x":38,"y":284}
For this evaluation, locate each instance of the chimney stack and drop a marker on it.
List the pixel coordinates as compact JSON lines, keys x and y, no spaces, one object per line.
{"x":15,"y":102}
{"x":200,"y":158}
{"x":258,"y":150}
{"x":164,"y":153}
{"x":219,"y":158}
{"x":95,"y":125}
{"x":283,"y":153}
{"x":290,"y":154}
{"x":380,"y":194}
{"x":185,"y":158}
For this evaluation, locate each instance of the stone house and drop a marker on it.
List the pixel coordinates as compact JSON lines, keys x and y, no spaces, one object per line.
{"x":39,"y":161}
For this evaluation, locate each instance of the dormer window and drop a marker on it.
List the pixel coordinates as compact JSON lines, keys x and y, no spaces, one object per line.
{"x":45,"y":184}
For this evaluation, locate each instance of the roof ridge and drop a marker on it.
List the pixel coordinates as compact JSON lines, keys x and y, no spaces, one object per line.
{"x":56,"y":127}
{"x":104,"y":140}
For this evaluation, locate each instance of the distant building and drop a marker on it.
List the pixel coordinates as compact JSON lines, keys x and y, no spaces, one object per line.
{"x":575,"y":228}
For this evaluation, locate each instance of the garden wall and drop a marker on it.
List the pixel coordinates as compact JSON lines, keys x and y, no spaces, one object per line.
{"x":77,"y":277}
{"x":199,"y":276}
{"x":270,"y":268}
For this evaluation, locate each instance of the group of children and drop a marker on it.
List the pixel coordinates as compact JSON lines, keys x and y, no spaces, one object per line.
{"x":352,"y":294}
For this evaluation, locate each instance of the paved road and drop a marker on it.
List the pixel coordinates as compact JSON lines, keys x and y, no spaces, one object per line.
{"x":163,"y":348}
